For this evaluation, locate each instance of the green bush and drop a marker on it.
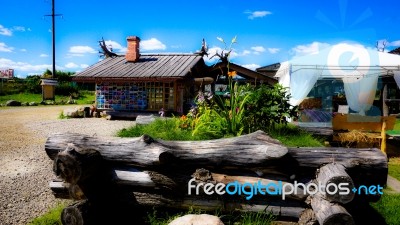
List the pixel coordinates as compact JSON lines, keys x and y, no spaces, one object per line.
{"x":33,"y":84}
{"x":268,"y":105}
{"x":66,"y":89}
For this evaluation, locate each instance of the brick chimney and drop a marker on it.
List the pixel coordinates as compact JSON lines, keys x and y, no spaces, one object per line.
{"x":132,"y":54}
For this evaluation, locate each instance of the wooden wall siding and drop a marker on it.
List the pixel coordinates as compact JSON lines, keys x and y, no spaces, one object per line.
{"x":148,"y":66}
{"x":136,"y":96}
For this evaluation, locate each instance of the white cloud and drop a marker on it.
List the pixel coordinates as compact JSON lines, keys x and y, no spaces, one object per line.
{"x":22,"y":66}
{"x":258,"y":49}
{"x":246,"y":52}
{"x":273,"y":50}
{"x":43,"y":55}
{"x":71,"y":65}
{"x":309,"y":49}
{"x":116,"y":47}
{"x":257,"y":14}
{"x":23,"y":50}
{"x":80,"y":50}
{"x":152,"y":44}
{"x":394,"y":43}
{"x":84,"y":66}
{"x":5,"y":31}
{"x":5,"y":48}
{"x":251,"y":66}
{"x":20,"y":28}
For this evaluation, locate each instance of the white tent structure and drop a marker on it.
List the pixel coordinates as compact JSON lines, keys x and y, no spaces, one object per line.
{"x":359,"y":69}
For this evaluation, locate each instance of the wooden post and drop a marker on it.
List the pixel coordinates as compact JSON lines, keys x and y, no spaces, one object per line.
{"x":383,"y":136}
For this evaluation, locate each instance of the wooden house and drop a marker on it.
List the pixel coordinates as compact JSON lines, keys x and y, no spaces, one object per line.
{"x":149,"y":82}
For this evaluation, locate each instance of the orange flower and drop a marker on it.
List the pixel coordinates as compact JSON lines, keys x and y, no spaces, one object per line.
{"x":232,"y":73}
{"x":183,"y":117}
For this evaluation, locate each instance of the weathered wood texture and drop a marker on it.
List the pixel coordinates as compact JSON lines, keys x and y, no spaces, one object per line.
{"x":366,"y":166}
{"x":151,"y":173}
{"x":174,"y":183}
{"x":279,"y":208}
{"x":78,"y":213}
{"x":330,"y":213}
{"x":254,"y":149}
{"x":333,"y":177}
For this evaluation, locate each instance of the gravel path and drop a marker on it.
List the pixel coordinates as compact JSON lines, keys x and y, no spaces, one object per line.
{"x":25,"y":169}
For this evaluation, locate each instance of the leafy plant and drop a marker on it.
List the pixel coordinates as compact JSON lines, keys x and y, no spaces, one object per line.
{"x":166,"y":129}
{"x":268,"y":105}
{"x":220,"y":118}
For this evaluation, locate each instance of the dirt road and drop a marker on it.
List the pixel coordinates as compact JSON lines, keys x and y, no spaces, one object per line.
{"x":25,"y":169}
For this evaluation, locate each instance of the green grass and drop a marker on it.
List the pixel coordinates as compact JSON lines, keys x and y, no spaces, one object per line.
{"x":169,"y":129}
{"x":292,"y":136}
{"x":85,"y":98}
{"x":388,"y":207}
{"x":166,"y":129}
{"x":396,"y":129}
{"x":394,"y":167}
{"x":52,"y":217}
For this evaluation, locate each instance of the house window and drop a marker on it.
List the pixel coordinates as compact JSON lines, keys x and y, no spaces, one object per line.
{"x":160,"y":95}
{"x":135,"y":96}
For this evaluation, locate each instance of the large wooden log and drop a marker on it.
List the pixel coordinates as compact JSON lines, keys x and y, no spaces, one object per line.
{"x":64,"y":190}
{"x":330,"y":213}
{"x":254,"y":149}
{"x":177,"y":183}
{"x":76,"y":165}
{"x":86,"y":212}
{"x":78,"y":213}
{"x":281,"y":208}
{"x":366,"y":166}
{"x":334,"y":179}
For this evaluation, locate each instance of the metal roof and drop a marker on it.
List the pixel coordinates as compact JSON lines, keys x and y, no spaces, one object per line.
{"x":148,"y":66}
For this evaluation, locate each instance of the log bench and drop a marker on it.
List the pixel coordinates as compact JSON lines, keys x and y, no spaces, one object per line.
{"x":103,"y":173}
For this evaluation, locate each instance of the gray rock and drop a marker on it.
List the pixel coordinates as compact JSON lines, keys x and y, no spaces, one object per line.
{"x":193,"y":219}
{"x":145,"y":119}
{"x":33,"y":104}
{"x":24,"y":104}
{"x":77,"y":112}
{"x":13,"y":103}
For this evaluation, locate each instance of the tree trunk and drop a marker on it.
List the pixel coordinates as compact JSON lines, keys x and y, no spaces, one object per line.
{"x":332,"y":177}
{"x":250,"y":150}
{"x":330,"y":213}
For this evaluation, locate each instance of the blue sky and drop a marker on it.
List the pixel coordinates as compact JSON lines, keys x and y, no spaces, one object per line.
{"x":267,"y":31}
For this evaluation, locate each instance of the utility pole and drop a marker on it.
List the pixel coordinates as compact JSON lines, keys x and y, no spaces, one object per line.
{"x":53,"y":22}
{"x":53,"y":31}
